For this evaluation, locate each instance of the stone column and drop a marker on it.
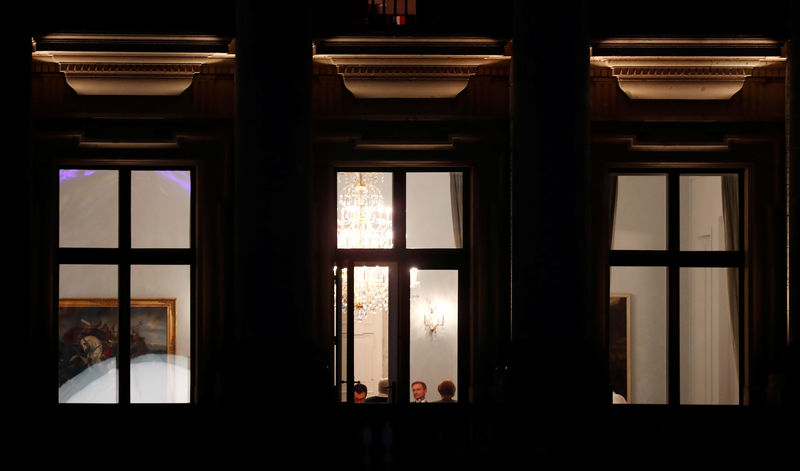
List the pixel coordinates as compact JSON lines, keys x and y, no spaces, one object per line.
{"x":270,"y":353}
{"x":554,"y":318}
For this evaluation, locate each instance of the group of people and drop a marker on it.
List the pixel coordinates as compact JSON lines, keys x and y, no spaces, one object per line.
{"x":447,"y":389}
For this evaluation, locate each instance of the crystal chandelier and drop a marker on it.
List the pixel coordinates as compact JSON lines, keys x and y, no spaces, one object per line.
{"x":363,"y":221}
{"x":371,"y":292}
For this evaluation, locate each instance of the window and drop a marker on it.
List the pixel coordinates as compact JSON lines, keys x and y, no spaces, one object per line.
{"x":395,"y":12}
{"x":125,"y":269}
{"x":400,"y":274}
{"x":676,"y":278}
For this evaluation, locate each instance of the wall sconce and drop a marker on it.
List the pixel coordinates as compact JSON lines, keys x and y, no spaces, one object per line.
{"x":434,"y":319}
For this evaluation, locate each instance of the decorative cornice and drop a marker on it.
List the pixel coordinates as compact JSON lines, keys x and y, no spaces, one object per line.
{"x":407,"y":76}
{"x":681,"y":77}
{"x":130,"y":73}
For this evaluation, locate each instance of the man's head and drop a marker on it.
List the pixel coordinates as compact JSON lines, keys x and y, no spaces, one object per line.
{"x":447,"y":389}
{"x":359,"y":393}
{"x":383,"y":386}
{"x":418,"y":389}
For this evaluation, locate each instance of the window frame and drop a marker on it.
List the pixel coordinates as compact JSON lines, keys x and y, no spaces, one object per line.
{"x":124,"y":256}
{"x":673,"y":259}
{"x":400,"y":260}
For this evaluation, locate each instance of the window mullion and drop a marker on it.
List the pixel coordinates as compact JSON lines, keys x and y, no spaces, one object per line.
{"x":124,"y":288}
{"x":350,"y":330}
{"x":399,"y":209}
{"x":673,"y":287}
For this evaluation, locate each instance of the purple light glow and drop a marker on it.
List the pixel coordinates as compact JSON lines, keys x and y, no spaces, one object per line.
{"x":69,"y":174}
{"x":180,"y":177}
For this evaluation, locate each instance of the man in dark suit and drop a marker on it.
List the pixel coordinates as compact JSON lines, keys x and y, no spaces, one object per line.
{"x":419,"y":389}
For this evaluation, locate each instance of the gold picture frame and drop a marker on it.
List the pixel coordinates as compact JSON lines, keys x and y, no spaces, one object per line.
{"x":88,"y":330}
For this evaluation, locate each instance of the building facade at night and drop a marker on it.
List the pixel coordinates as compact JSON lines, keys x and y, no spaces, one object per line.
{"x":579,"y":214}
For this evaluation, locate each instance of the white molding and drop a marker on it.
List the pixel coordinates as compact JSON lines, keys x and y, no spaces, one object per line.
{"x":407,"y":76}
{"x":682,"y":78}
{"x":130,"y":73}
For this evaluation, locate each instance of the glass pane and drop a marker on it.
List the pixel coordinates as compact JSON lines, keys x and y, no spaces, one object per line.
{"x":709,"y":216}
{"x":88,"y":214}
{"x":160,"y":333}
{"x":160,"y":208}
{"x":434,"y":334}
{"x":371,"y":330}
{"x":639,"y":213}
{"x":364,"y":210}
{"x":709,"y":330}
{"x":88,"y":316}
{"x":434,"y":210}
{"x":638,"y":335}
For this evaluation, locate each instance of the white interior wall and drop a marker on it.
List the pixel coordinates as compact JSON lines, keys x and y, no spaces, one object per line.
{"x":647,"y":287}
{"x":160,"y":209}
{"x":429,"y":214}
{"x":641,"y":213}
{"x":434,"y":356}
{"x":88,"y":203}
{"x":370,"y":343}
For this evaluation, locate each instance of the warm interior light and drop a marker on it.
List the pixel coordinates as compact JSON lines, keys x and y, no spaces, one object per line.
{"x":363,"y":220}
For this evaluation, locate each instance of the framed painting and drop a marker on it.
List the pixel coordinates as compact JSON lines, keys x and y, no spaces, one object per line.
{"x":619,"y":344}
{"x":88,"y":331}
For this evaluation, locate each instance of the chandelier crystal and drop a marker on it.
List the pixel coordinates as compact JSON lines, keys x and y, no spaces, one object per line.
{"x":364,"y":221}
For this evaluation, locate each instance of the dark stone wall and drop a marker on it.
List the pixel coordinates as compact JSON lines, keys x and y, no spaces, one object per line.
{"x":270,"y":349}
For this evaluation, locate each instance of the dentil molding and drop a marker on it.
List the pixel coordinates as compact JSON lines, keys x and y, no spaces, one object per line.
{"x":684,"y":68}
{"x":683,"y":78}
{"x":407,"y":76}
{"x":128,"y":64}
{"x":129,"y":73}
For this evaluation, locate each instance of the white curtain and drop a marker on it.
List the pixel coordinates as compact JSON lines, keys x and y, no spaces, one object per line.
{"x":730,"y":216}
{"x":457,"y":206}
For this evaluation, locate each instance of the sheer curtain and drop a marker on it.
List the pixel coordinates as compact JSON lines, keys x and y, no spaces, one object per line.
{"x":730,"y":217}
{"x":457,"y":206}
{"x":612,"y":209}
